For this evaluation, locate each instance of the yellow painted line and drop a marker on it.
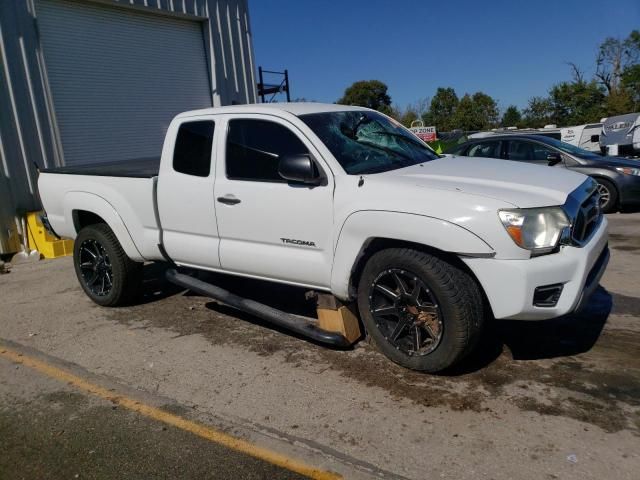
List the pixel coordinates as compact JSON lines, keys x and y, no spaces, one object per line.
{"x":159,"y":415}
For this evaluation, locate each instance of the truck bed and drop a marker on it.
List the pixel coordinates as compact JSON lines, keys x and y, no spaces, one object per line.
{"x":136,"y":168}
{"x":122,"y":194}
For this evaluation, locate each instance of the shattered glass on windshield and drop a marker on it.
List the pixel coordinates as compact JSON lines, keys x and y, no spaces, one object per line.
{"x":365,"y":142}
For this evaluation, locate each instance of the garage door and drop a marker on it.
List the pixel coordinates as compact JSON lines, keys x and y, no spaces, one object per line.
{"x":118,"y":76}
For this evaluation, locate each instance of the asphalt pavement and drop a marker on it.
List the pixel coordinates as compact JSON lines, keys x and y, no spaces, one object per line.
{"x":182,"y":387}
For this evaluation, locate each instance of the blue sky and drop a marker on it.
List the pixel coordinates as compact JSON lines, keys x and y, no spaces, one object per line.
{"x":511,"y":50}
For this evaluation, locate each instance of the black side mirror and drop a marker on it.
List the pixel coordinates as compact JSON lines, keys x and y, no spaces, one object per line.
{"x":554,"y":158}
{"x":300,"y":169}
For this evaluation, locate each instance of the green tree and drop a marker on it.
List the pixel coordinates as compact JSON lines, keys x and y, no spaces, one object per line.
{"x":368,"y":93}
{"x":539,"y":112}
{"x":408,"y":117}
{"x":476,"y":112}
{"x":578,"y":102}
{"x":441,"y":110}
{"x":486,"y":110}
{"x":630,"y":82}
{"x":511,"y":117}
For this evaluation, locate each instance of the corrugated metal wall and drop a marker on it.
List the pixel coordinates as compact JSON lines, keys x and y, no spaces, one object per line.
{"x":28,"y":128}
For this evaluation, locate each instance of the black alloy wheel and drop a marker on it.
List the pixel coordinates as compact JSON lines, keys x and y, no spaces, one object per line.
{"x":406,"y":312}
{"x":105,"y":272}
{"x":95,"y":265}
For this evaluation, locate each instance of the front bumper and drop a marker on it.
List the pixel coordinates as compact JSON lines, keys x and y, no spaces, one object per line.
{"x":510,"y":284}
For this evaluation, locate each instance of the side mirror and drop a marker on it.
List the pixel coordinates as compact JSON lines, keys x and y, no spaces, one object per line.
{"x":554,"y":158}
{"x":299,"y":169}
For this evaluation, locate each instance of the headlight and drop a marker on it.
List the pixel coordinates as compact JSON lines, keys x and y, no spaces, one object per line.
{"x":536,"y":229}
{"x":629,"y":170}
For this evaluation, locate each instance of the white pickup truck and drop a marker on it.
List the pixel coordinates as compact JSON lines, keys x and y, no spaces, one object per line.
{"x":341,"y":200}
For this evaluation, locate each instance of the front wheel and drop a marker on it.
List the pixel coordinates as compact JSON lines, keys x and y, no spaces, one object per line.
{"x":608,"y":195}
{"x":421,"y":311}
{"x":105,"y":272}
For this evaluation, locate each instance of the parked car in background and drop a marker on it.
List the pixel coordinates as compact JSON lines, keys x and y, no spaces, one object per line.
{"x":584,"y":136}
{"x":618,"y":178}
{"x":550,"y":131}
{"x":621,"y":135}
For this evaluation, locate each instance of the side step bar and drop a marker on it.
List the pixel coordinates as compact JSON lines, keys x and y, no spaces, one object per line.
{"x":302,"y":325}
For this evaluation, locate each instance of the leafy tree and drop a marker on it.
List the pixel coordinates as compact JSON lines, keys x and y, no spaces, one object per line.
{"x":578,"y":102}
{"x":441,"y":110}
{"x":485,"y":109}
{"x":368,"y":93}
{"x":476,"y":112}
{"x":408,"y":117}
{"x":539,"y":112}
{"x":511,"y":117}
{"x":464,"y":115}
{"x":630,"y":82}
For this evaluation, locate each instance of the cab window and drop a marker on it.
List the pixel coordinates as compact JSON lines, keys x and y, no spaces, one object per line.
{"x":254,"y":148}
{"x":192,"y":151}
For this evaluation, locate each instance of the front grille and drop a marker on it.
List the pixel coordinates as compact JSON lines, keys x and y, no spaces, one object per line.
{"x":587,"y":219}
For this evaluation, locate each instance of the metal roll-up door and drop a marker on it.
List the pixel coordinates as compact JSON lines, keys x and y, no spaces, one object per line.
{"x":117,"y":77}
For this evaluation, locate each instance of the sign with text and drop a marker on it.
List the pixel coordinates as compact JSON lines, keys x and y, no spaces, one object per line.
{"x":426,"y":134}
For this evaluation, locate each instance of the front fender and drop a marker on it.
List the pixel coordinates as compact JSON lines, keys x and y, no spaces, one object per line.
{"x":362,"y":226}
{"x":93,"y":203}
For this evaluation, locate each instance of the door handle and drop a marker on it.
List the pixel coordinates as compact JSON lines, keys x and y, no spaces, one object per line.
{"x":229,"y":200}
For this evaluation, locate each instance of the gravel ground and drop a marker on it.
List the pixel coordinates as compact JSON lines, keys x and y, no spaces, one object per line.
{"x":550,"y":399}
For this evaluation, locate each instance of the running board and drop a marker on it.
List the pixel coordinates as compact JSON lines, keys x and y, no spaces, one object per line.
{"x":304,"y":326}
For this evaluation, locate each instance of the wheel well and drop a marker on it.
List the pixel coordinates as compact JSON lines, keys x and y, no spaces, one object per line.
{"x":375,"y":245}
{"x":84,"y":218}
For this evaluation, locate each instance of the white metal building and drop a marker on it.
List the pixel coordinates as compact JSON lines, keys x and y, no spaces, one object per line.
{"x":99,"y":81}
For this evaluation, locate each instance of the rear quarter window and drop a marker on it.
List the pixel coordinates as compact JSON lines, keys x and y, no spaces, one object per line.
{"x":192,"y":152}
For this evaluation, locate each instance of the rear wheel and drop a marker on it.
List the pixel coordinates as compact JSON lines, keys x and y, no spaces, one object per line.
{"x":420,"y":311}
{"x":608,"y":195}
{"x":105,"y":272}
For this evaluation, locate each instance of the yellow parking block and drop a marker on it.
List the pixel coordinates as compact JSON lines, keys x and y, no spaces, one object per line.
{"x":42,"y":241}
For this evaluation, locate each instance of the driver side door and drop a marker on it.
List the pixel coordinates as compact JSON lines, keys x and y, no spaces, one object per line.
{"x":268,"y":227}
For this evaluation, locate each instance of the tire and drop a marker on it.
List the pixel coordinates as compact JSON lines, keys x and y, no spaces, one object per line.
{"x":99,"y":260}
{"x":605,"y":187}
{"x":449,"y":309}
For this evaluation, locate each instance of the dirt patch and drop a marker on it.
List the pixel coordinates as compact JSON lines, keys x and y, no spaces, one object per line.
{"x":565,"y":367}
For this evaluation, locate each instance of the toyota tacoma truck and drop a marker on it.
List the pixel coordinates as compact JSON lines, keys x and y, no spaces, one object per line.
{"x":346,"y":202}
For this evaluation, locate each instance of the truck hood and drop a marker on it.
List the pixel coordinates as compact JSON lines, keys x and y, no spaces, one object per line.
{"x":519,"y":184}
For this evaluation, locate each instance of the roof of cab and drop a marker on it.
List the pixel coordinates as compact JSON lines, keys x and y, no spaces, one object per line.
{"x":295,"y":108}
